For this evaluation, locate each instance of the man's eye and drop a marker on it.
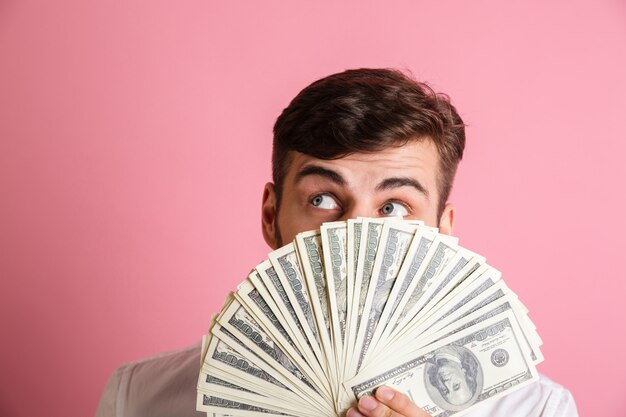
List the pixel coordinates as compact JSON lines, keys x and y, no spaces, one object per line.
{"x":324,"y":201}
{"x":394,"y":209}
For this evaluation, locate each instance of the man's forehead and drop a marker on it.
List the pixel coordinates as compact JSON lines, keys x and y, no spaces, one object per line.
{"x":416,"y":157}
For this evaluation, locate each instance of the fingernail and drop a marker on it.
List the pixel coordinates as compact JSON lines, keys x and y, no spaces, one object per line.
{"x":385,"y":393}
{"x":368,"y":403}
{"x":353,"y":413}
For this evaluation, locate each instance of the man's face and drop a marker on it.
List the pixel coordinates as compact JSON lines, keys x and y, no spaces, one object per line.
{"x":452,"y":376}
{"x":394,"y":182}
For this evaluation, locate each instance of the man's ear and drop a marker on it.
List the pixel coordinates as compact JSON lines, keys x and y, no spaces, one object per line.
{"x":446,"y":221}
{"x":269,"y":210}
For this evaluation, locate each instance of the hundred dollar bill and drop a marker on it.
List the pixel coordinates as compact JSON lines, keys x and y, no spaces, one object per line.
{"x":212,"y":386}
{"x":370,"y":236}
{"x":457,"y":267}
{"x":237,"y":380}
{"x":528,"y":322}
{"x":454,"y":281}
{"x":220,"y":406}
{"x":393,"y":246}
{"x":522,"y":313}
{"x":275,"y":287}
{"x":452,"y":307}
{"x":416,"y":253}
{"x":223,"y":360}
{"x":287,"y":266}
{"x":495,"y":301}
{"x":463,"y":268}
{"x":355,"y":227}
{"x":490,"y":309}
{"x":334,"y":245}
{"x":247,"y":357}
{"x":439,"y":253}
{"x":245,"y":328}
{"x":255,"y":298}
{"x":309,"y":246}
{"x":482,"y":362}
{"x":253,"y":295}
{"x":499,"y":302}
{"x":205,"y":344}
{"x":483,"y":289}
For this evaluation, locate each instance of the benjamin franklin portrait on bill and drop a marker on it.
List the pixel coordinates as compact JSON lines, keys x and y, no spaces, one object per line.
{"x":453,"y":378}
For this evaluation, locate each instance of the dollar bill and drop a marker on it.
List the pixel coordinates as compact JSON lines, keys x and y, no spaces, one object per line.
{"x":278,"y":293}
{"x":248,"y":359}
{"x":495,"y":301}
{"x":426,"y":268}
{"x":393,"y":246}
{"x":462,"y":266}
{"x":220,"y":406}
{"x":286,"y":263}
{"x":253,"y":295}
{"x":414,"y":257}
{"x":370,"y":236}
{"x":484,"y":290}
{"x":309,"y":246}
{"x":455,"y":375}
{"x":354,"y":227}
{"x":457,"y":268}
{"x":334,"y":244}
{"x":259,"y":302}
{"x":214,"y":387}
{"x":245,"y":369}
{"x":452,"y":307}
{"x":455,"y":281}
{"x":242,"y":325}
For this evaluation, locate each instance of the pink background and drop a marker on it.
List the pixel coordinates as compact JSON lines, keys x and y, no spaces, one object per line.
{"x":135,"y":141}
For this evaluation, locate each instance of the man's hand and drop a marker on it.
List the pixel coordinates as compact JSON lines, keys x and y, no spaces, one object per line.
{"x":386,"y":402}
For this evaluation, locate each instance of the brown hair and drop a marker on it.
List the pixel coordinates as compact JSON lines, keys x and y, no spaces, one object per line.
{"x":367,"y":110}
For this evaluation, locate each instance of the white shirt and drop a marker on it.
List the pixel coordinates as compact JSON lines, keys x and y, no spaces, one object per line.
{"x":165,"y":386}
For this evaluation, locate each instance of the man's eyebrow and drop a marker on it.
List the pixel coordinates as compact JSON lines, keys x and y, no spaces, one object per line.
{"x":396,"y":182}
{"x":322,"y":172}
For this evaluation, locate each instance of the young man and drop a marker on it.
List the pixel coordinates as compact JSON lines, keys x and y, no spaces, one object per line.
{"x":368,"y":142}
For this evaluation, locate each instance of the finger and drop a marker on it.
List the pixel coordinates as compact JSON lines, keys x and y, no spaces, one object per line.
{"x":369,"y":406}
{"x":399,"y":403}
{"x":353,"y":412}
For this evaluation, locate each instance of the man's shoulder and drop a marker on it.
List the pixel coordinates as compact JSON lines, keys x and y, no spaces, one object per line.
{"x":161,"y":385}
{"x":171,"y":362}
{"x":543,"y":397}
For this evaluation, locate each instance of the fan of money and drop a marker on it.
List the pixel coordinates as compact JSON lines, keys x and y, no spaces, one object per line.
{"x":359,"y":304}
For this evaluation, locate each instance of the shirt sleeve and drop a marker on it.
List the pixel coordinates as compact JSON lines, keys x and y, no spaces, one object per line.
{"x":560,"y":404}
{"x":159,"y":386}
{"x":108,"y":405}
